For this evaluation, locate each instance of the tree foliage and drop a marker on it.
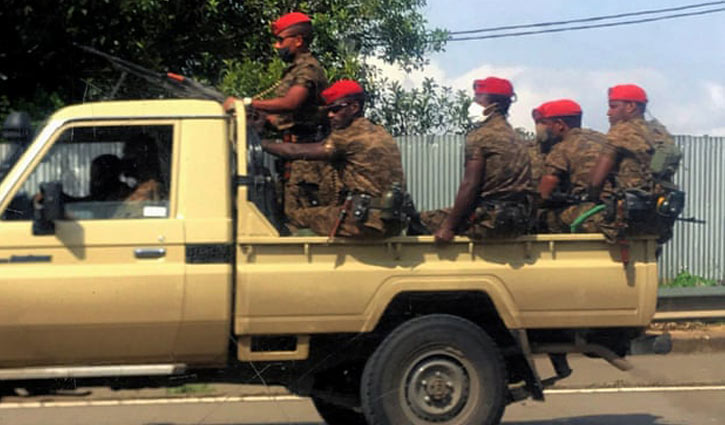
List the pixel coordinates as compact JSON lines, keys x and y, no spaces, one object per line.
{"x":227,"y":43}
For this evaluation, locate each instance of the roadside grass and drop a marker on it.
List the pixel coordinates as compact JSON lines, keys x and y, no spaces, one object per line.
{"x":190,"y":389}
{"x":686,"y":279}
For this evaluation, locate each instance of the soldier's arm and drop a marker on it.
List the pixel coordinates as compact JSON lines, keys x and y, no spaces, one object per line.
{"x":556,"y":166}
{"x":466,"y":196}
{"x":601,"y":170}
{"x":548,"y":183}
{"x":311,"y":151}
{"x":290,"y":102}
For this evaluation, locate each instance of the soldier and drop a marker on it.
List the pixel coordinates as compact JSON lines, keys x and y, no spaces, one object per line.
{"x":494,"y":198}
{"x":564,"y":185}
{"x":641,"y":158}
{"x":539,"y":148}
{"x":366,"y":164}
{"x":295,"y":112}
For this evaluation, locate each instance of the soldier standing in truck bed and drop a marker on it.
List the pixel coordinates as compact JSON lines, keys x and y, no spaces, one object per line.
{"x":295,"y":112}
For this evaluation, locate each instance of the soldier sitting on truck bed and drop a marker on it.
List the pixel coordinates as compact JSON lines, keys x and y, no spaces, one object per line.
{"x":641,"y":158}
{"x":564,"y":185}
{"x":295,"y":111}
{"x":365,"y":163}
{"x":495,"y":196}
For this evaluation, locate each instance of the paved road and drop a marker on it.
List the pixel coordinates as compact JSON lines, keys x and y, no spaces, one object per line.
{"x":658,"y":408}
{"x":689,"y":390}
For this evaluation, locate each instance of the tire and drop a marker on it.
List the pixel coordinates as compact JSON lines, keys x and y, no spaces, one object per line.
{"x":337,"y":415}
{"x":437,"y":369}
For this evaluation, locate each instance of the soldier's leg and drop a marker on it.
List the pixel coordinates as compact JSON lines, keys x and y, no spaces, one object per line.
{"x":593,"y":224}
{"x":301,"y":188}
{"x":434,"y":219}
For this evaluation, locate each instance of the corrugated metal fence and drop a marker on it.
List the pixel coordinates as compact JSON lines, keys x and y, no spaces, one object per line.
{"x":434,"y":165}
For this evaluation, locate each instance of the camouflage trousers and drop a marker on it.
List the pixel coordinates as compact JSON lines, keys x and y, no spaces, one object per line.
{"x":322,"y":220}
{"x":309,"y":184}
{"x":480,"y":226}
{"x":559,"y":220}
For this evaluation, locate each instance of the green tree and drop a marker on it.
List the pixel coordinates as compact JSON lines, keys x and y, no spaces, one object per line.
{"x":227,"y":43}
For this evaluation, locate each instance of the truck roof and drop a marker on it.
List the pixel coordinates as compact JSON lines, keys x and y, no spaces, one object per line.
{"x":141,"y":109}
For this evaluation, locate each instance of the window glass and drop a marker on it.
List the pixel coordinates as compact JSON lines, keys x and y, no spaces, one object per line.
{"x":107,"y":172}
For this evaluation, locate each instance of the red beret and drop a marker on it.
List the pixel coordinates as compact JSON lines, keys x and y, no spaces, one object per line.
{"x":557,"y":108}
{"x":628,"y":93}
{"x":493,"y":85}
{"x":288,"y":20}
{"x":341,"y":89}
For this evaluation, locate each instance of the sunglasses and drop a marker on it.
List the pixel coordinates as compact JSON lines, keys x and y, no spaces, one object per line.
{"x":284,"y":37}
{"x":337,"y":108}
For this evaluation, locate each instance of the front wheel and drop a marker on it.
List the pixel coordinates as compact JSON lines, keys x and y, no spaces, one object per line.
{"x":437,"y":369}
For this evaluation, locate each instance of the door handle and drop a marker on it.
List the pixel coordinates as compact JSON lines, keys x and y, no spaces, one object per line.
{"x":145,"y":253}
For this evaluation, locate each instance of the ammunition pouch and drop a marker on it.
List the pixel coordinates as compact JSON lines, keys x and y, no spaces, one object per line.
{"x":637,"y":205}
{"x":506,"y":214}
{"x":392,"y":205}
{"x":671,"y":203}
{"x":360,"y":207}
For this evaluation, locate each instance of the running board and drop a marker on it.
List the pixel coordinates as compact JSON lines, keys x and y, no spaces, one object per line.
{"x":60,"y":372}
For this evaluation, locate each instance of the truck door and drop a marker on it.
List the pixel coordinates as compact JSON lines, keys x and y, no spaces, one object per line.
{"x":106,"y":286}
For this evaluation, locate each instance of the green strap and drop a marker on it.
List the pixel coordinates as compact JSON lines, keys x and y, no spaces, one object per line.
{"x":582,"y":218}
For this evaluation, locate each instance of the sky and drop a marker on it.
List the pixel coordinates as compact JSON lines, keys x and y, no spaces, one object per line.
{"x":679,"y":62}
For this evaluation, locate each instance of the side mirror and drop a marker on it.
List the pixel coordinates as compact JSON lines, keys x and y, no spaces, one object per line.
{"x":48,"y":208}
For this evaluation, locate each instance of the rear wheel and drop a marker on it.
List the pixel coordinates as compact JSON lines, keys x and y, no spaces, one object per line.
{"x":437,"y":369}
{"x":337,"y":415}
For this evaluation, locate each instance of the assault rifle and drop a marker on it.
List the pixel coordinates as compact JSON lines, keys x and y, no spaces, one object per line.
{"x":177,"y":84}
{"x":561,"y":200}
{"x":691,"y":220}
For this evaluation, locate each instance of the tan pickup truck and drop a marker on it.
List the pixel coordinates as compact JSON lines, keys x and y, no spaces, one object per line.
{"x":163,"y":261}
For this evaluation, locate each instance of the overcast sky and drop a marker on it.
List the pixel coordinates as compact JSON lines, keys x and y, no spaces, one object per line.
{"x":679,"y":62}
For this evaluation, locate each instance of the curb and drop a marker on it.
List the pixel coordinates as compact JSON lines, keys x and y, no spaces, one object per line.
{"x":695,"y":341}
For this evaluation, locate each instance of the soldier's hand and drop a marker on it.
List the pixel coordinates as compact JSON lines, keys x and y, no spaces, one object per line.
{"x":229,"y":103}
{"x":444,"y":235}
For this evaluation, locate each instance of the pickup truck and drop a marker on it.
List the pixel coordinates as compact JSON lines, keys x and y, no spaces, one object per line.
{"x":201,"y":280}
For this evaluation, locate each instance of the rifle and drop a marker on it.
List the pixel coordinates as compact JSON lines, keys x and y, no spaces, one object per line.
{"x":561,"y":200}
{"x":691,"y":220}
{"x":174,"y":83}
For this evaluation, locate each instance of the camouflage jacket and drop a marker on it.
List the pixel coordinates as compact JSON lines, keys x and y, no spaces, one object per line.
{"x":507,"y":174}
{"x":573,"y":159}
{"x":537,"y":159}
{"x":304,"y":71}
{"x":633,"y":144}
{"x":365,"y":158}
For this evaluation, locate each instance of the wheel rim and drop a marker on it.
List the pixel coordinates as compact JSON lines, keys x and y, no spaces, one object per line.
{"x":437,"y":386}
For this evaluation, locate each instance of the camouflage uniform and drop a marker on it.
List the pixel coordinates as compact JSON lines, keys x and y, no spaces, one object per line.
{"x":572,"y":161}
{"x":506,"y":180}
{"x":304,"y":125}
{"x":365,"y":160}
{"x":538,"y":160}
{"x":633,"y":143}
